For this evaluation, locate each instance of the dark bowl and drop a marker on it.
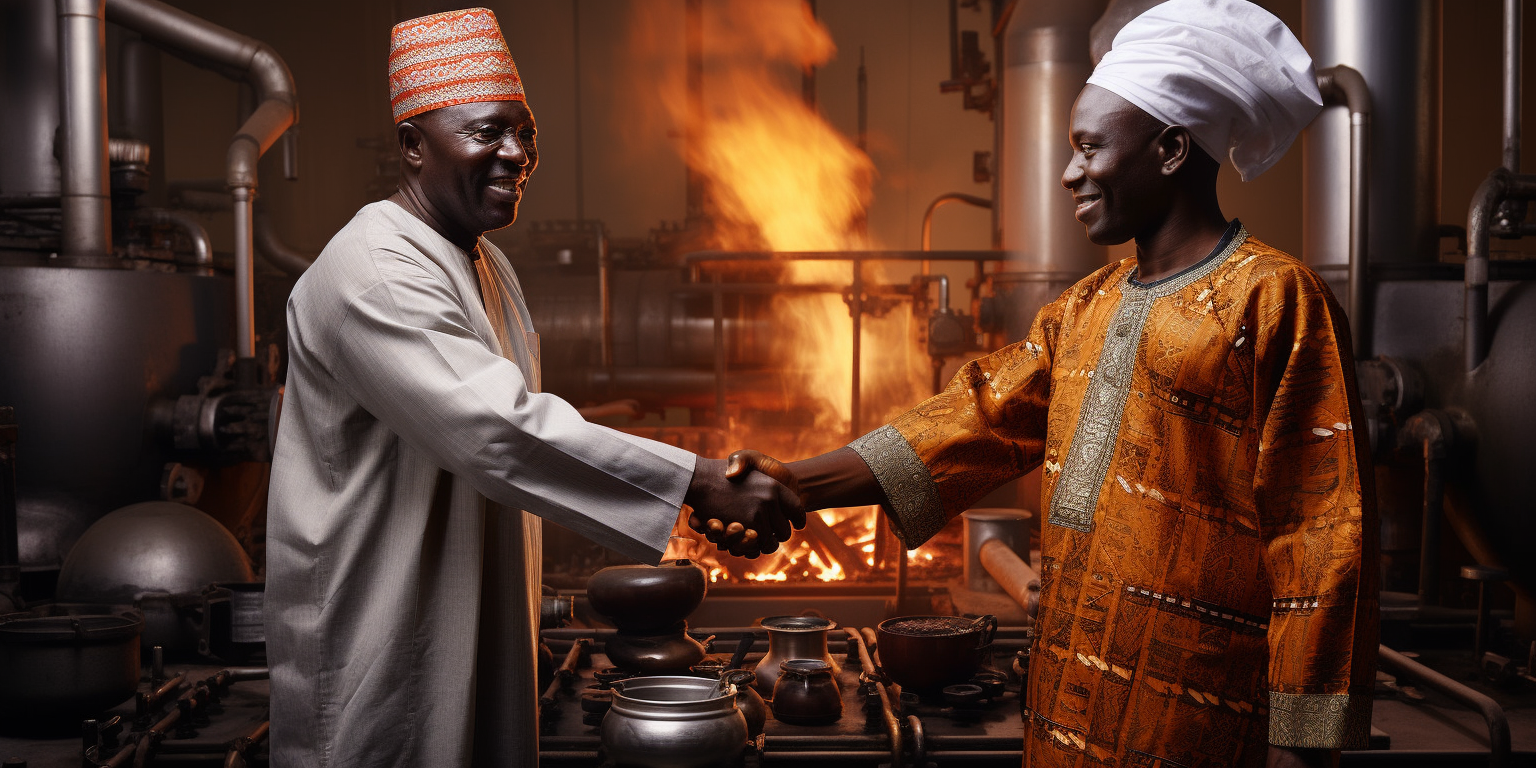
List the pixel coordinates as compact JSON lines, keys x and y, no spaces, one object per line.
{"x":647,"y":598}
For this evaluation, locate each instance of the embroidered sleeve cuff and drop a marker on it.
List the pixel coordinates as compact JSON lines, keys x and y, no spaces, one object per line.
{"x":916,"y":513}
{"x":1319,"y":721}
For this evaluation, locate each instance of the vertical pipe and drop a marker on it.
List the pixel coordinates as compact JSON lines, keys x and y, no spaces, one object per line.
{"x":581,"y":214}
{"x":1512,"y":61}
{"x":861,"y":226}
{"x":1429,"y":534}
{"x":719,"y":309}
{"x":84,"y":195}
{"x":1359,"y":233}
{"x":245,"y":274}
{"x":693,"y":39}
{"x":10,"y":552}
{"x":856,"y":309}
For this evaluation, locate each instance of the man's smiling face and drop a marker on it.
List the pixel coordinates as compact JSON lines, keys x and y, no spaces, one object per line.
{"x":475,"y":161}
{"x":1115,"y":174}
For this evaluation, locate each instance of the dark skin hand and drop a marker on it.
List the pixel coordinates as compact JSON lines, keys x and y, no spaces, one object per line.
{"x":463,"y":169}
{"x":1133,"y":178}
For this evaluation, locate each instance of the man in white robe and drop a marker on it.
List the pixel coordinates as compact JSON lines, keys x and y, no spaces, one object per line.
{"x":403,"y":572}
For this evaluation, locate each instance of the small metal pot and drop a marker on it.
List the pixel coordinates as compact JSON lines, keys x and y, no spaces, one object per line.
{"x":671,"y":653}
{"x":674,"y":722}
{"x":792,"y":637}
{"x":59,"y":666}
{"x":807,"y":693}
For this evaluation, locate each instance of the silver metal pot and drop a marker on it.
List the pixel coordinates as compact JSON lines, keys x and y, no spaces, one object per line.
{"x":793,"y":637}
{"x":674,"y":722}
{"x":56,"y":666}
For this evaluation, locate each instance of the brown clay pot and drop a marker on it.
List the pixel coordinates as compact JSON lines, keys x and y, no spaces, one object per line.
{"x":647,"y":598}
{"x":671,"y":653}
{"x":806,"y":693}
{"x":923,"y":654}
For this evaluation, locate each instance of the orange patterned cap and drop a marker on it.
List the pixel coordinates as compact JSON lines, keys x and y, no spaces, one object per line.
{"x":449,"y":58}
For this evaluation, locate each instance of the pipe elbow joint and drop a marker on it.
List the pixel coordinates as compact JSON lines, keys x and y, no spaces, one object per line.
{"x":1345,"y":85}
{"x":269,"y":75}
{"x":241,"y":162}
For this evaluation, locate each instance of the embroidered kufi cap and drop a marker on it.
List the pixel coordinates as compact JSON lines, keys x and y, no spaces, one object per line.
{"x":1227,"y":70}
{"x":450,"y":58}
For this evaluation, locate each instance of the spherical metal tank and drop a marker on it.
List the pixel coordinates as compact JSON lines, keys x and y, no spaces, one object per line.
{"x":83,"y":355}
{"x":162,"y":549}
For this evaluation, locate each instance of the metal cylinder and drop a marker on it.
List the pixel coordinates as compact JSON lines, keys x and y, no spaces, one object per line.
{"x":29,"y":89}
{"x":245,"y":273}
{"x":1395,"y":45}
{"x":86,"y":351}
{"x":1010,"y":526}
{"x":1045,"y":63}
{"x":1013,"y":574}
{"x":84,"y":196}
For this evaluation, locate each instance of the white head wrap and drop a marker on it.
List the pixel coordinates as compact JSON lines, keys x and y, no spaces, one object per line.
{"x":1227,"y":70}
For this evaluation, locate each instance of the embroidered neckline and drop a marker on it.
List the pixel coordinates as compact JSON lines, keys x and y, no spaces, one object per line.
{"x":1217,"y":255}
{"x":1076,"y":495}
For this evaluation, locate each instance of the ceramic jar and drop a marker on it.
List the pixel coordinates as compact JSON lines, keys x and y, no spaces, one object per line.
{"x":792,"y":637}
{"x":806,"y":693}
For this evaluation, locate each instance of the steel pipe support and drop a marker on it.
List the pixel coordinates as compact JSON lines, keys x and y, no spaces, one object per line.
{"x":84,"y":190}
{"x":1512,"y":57}
{"x":1012,"y":574}
{"x":1493,"y":714}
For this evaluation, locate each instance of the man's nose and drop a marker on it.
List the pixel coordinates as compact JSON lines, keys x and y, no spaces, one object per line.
{"x":1073,"y":175}
{"x":512,"y":150}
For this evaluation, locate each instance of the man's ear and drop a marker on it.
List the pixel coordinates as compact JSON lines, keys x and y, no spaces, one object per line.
{"x":1174,"y":145}
{"x":411,"y":139}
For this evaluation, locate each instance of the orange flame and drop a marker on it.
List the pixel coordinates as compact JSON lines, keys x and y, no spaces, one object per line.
{"x":780,"y":177}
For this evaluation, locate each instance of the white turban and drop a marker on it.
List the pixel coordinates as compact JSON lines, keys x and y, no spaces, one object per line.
{"x":1227,"y":70}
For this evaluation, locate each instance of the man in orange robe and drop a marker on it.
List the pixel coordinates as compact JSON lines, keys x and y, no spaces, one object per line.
{"x":1208,"y":564}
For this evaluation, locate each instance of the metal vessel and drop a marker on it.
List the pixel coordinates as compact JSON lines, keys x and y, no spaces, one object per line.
{"x":674,"y":722}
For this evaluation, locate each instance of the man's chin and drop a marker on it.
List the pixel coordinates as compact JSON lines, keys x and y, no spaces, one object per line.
{"x":1104,"y":236}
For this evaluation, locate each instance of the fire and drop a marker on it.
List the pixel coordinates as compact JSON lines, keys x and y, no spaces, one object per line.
{"x":779,"y":177}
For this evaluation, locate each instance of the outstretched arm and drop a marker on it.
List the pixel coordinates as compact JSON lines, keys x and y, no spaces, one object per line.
{"x":744,"y":513}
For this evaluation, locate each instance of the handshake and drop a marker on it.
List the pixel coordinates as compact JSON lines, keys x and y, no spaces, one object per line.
{"x":746,"y":504}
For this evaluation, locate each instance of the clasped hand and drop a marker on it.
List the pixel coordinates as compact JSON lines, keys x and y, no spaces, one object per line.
{"x":742,"y":511}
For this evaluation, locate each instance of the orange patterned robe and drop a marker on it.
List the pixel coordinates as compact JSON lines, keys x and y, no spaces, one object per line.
{"x":1208,"y":563}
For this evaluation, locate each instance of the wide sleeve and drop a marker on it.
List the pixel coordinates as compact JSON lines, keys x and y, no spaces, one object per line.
{"x":1317,"y":516}
{"x":406,"y":352}
{"x":986,"y":428}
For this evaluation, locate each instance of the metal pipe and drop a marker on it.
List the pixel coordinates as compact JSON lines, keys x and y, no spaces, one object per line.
{"x":699,"y":257}
{"x":1012,"y":574}
{"x":718,"y":307}
{"x":1345,"y":86}
{"x":1493,"y":714}
{"x":856,"y":309}
{"x":887,"y":711}
{"x":189,"y":226}
{"x":84,"y":190}
{"x":10,"y":550}
{"x":254,"y":63}
{"x":245,"y":276}
{"x":1485,"y":202}
{"x":566,"y":672}
{"x":1512,"y":62}
{"x":952,"y":197}
{"x":238,"y":748}
{"x":279,"y":254}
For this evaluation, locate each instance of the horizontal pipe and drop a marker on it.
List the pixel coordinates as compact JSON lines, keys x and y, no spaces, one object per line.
{"x":704,"y":256}
{"x":1493,"y":714}
{"x":1012,"y":574}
